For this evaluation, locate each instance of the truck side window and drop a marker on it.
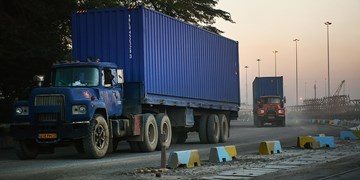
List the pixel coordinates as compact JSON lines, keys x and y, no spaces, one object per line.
{"x":109,"y":77}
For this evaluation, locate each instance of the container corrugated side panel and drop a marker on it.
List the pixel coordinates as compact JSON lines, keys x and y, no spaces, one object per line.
{"x":263,"y":86}
{"x":184,"y":61}
{"x":111,"y":35}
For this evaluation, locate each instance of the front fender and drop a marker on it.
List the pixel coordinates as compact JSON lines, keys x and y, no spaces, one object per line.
{"x":99,"y":105}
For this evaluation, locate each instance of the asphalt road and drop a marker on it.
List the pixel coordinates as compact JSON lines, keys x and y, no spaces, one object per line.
{"x":67,"y":164}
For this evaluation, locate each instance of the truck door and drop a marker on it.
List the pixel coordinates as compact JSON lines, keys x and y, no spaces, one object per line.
{"x":112,"y":92}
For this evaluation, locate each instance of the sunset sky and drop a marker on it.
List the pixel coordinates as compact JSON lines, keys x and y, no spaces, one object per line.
{"x":263,"y":26}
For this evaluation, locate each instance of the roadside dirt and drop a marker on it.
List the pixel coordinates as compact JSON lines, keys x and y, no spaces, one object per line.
{"x":292,"y":162}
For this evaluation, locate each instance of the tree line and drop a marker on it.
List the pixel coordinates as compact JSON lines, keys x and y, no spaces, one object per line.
{"x":36,"y":33}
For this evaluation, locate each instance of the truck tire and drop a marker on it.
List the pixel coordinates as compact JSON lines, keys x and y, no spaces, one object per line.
{"x":96,"y":143}
{"x":283,"y":123}
{"x":150,"y":133}
{"x":213,"y":129}
{"x":224,"y":128}
{"x":26,"y":149}
{"x":202,"y":129}
{"x":164,"y":127}
{"x":256,"y":122}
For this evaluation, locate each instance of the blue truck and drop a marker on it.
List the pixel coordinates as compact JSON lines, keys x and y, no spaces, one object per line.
{"x":136,"y":75}
{"x":268,"y":101}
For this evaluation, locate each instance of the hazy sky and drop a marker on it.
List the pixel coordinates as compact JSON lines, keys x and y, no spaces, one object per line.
{"x":263,"y":26}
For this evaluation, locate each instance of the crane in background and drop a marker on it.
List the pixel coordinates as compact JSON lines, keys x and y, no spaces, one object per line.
{"x":337,"y":92}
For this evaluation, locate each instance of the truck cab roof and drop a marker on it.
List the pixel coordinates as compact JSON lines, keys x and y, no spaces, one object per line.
{"x":272,"y":96}
{"x":79,"y":64}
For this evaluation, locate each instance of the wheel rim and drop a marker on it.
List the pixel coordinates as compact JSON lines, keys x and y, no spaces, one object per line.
{"x":99,"y":136}
{"x":165,"y":130}
{"x":215,"y":128}
{"x":151,"y":134}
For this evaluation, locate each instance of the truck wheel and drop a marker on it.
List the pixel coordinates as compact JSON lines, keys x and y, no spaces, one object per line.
{"x":283,"y":123}
{"x":26,"y":149}
{"x":150,"y":134}
{"x":164,"y":127}
{"x":224,"y":128}
{"x":256,"y":122}
{"x":202,"y":129}
{"x":213,"y":129}
{"x":97,"y":141}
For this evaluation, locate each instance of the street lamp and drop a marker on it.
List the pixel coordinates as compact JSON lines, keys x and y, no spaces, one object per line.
{"x":275,"y":51}
{"x":296,"y":64}
{"x":327,"y":23}
{"x":258,"y":60}
{"x":246,"y":85}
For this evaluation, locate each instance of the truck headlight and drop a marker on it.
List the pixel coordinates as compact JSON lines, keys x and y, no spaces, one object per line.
{"x":281,"y":111}
{"x":78,"y":109}
{"x":262,"y":111}
{"x":22,"y":110}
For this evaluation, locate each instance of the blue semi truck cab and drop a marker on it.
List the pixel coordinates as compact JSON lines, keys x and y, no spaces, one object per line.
{"x":80,"y":93}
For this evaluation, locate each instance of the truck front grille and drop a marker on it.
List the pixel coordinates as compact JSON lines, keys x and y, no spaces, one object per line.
{"x":271,"y":110}
{"x":50,"y":100}
{"x":47,"y":117}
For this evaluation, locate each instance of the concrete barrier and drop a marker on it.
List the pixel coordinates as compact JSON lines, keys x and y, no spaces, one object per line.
{"x":189,"y":158}
{"x":349,"y":135}
{"x":302,"y":140}
{"x":222,"y":154}
{"x":312,"y":145}
{"x":337,"y":121}
{"x":333,"y":122}
{"x":270,"y":147}
{"x":325,"y":141}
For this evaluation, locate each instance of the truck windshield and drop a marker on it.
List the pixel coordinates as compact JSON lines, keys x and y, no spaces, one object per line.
{"x":79,"y":76}
{"x":272,"y":100}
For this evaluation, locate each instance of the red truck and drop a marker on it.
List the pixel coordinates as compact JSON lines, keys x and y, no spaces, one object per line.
{"x":268,"y":101}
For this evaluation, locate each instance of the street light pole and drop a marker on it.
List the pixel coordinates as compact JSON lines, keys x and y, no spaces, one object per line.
{"x":327,"y":23}
{"x":258,"y":60}
{"x":305,"y":88}
{"x":296,"y":64}
{"x":275,"y":51}
{"x":246,"y":85}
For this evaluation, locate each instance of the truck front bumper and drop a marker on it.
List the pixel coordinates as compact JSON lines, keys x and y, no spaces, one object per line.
{"x":271,"y":118}
{"x":59,"y":132}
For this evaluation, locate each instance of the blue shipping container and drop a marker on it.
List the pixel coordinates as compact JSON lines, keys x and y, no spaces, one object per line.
{"x":267,"y":86}
{"x":177,"y":63}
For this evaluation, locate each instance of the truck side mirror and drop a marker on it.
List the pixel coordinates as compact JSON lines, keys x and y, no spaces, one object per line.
{"x":284,"y":99}
{"x":38,"y":79}
{"x":120,"y":76}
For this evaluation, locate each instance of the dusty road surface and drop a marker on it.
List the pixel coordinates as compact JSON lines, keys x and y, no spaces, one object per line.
{"x":123,"y":164}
